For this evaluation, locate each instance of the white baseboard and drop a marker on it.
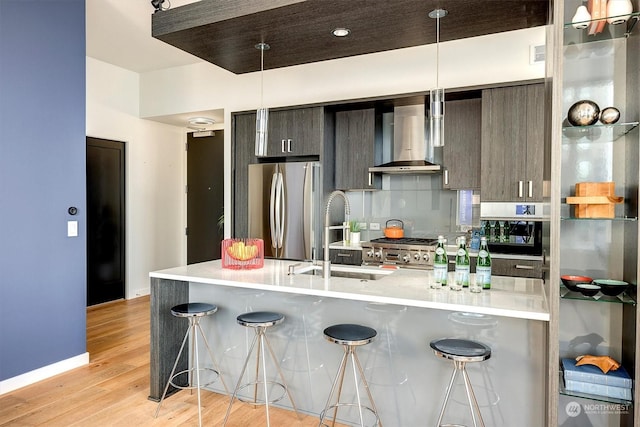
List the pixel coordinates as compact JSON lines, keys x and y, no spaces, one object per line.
{"x":141,"y":292}
{"x":43,"y":373}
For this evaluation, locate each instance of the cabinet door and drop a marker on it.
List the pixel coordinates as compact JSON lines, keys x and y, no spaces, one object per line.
{"x":345,"y":256}
{"x":516,"y":268}
{"x":512,"y":143}
{"x":534,"y":165}
{"x":503,"y":142}
{"x":461,"y":151}
{"x":296,"y":132}
{"x":244,"y":131}
{"x":354,"y":149}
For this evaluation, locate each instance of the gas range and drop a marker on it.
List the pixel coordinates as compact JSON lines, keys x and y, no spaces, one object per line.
{"x":409,"y":252}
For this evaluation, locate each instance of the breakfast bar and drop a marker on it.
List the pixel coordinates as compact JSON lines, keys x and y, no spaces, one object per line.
{"x":405,"y":377}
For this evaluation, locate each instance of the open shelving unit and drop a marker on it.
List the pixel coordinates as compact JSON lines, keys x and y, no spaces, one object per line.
{"x":601,"y":68}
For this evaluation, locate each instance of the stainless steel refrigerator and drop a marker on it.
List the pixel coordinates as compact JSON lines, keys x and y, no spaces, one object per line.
{"x":283,"y":208}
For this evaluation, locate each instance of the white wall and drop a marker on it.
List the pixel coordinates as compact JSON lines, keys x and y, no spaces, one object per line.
{"x":155,"y":172}
{"x":482,"y":60}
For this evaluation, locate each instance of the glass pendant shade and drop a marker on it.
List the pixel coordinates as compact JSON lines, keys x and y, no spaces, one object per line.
{"x":436,"y":122}
{"x":262,"y":113}
{"x":436,"y":96}
{"x":262,"y":121}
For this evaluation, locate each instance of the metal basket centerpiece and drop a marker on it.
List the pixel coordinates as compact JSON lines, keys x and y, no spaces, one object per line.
{"x":240,"y":254}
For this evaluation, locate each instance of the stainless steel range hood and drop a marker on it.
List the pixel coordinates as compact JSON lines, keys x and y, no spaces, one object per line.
{"x":407,"y":146}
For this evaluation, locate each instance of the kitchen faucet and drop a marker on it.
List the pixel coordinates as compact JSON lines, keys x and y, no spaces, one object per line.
{"x":326,"y":264}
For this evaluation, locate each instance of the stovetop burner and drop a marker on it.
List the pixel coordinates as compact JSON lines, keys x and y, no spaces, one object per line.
{"x":406,"y":241}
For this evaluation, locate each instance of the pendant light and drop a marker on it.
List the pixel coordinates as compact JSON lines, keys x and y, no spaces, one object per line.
{"x":436,"y":96}
{"x":262,"y":114}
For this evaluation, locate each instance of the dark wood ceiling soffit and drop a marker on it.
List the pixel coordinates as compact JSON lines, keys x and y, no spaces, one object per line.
{"x":224,"y":32}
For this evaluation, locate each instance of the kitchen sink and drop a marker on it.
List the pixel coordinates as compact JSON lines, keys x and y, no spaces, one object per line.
{"x":351,"y":272}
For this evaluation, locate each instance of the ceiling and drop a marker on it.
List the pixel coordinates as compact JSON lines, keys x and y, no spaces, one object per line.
{"x":225,"y":32}
{"x":119,"y":32}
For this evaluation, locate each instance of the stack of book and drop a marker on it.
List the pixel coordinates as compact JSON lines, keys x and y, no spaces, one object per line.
{"x":590,"y":379}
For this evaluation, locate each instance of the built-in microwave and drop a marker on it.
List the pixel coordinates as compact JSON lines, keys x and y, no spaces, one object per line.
{"x":513,"y":236}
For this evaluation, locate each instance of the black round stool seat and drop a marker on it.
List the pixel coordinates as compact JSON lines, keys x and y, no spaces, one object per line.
{"x":350,"y":334}
{"x":193,"y":309}
{"x":461,"y":350}
{"x":256,"y":319}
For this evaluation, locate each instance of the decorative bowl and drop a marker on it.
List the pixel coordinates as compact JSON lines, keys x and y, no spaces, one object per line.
{"x":572,"y":282}
{"x":611,"y":288}
{"x":583,"y":113}
{"x":588,"y":289}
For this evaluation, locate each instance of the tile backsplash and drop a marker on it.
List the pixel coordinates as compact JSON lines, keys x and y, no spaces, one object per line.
{"x":418,"y":200}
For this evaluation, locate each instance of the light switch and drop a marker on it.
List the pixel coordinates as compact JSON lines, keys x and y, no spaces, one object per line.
{"x":72,"y":228}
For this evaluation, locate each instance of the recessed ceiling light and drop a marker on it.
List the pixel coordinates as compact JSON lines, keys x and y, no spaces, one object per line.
{"x":201,"y":121}
{"x":341,"y":32}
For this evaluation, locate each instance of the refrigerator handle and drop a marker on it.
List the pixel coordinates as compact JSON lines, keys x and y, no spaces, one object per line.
{"x":272,"y":212}
{"x":307,"y":221}
{"x":280,"y":200}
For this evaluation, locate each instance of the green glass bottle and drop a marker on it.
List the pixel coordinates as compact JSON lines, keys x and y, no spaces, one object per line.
{"x":483,"y":265}
{"x":463,"y":262}
{"x":440,"y":264}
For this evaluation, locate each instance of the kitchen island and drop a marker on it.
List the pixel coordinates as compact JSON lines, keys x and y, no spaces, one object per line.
{"x":406,"y":379}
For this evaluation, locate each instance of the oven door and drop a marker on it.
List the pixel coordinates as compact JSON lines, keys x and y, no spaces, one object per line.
{"x":514,"y":237}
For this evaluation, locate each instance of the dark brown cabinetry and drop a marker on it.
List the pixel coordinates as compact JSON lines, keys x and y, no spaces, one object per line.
{"x":311,"y":133}
{"x":512,"y":144}
{"x":355,"y":150}
{"x":345,"y":256}
{"x":516,"y":268}
{"x":244,"y":130}
{"x":295,"y":132}
{"x":461,"y":151}
{"x":506,"y":267}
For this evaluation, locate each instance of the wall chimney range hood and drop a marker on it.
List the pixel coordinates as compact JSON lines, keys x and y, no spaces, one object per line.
{"x":409,"y":149}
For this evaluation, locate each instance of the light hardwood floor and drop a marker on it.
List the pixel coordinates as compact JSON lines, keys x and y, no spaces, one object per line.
{"x":112,"y":390}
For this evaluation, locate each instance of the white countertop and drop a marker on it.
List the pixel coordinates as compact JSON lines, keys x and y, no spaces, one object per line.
{"x":509,"y":296}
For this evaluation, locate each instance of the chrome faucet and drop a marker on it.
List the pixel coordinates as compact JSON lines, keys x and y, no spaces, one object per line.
{"x":326,"y":264}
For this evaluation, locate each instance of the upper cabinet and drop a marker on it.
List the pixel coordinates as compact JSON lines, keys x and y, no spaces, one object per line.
{"x":355,"y":150}
{"x":461,"y":151}
{"x":295,"y":132}
{"x":512,"y":144}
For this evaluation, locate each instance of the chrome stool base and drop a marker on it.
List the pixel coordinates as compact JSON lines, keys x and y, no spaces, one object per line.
{"x":191,"y":372}
{"x":193,"y":312}
{"x":461,"y":352}
{"x":349,"y":336}
{"x":361,"y":407}
{"x":260,"y":321}
{"x":256,"y":401}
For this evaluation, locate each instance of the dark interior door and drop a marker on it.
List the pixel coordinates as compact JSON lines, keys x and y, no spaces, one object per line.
{"x":105,"y":220}
{"x":205,"y":196}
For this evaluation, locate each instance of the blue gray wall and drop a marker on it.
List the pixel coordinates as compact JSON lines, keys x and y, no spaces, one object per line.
{"x":42,"y":173}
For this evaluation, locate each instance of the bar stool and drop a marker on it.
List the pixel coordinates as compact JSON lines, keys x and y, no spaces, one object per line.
{"x":193,"y":311}
{"x":461,"y":352}
{"x":260,"y":321}
{"x":349,"y":336}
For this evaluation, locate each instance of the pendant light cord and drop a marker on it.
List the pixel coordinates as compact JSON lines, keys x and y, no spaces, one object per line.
{"x":438,"y":51}
{"x":262,"y":76}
